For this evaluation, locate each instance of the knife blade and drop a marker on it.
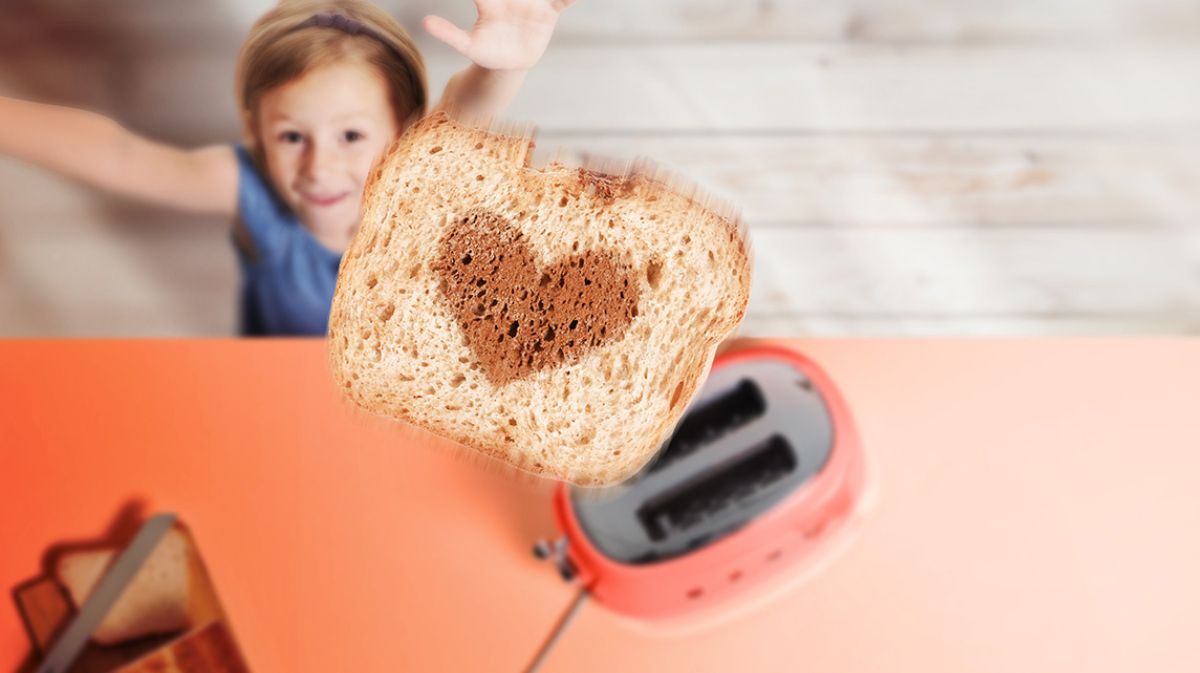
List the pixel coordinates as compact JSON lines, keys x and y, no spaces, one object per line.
{"x":110,"y":587}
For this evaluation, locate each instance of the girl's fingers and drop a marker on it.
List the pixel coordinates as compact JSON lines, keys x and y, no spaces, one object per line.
{"x":560,"y":5}
{"x":447,"y":32}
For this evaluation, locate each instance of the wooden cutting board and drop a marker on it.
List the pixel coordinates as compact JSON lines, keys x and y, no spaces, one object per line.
{"x":207,"y":647}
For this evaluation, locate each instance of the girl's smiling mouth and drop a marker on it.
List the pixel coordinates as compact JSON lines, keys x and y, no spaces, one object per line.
{"x":323,"y":201}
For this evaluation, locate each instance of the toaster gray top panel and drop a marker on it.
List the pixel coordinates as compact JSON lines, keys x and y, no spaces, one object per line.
{"x":757,"y":431}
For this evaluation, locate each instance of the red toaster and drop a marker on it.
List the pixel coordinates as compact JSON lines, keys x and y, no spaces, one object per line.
{"x":764,"y":466}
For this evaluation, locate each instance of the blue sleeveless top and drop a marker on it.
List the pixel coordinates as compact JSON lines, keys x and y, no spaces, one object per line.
{"x":288,"y":279}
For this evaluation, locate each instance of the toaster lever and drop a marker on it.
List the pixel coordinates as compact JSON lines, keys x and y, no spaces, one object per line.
{"x":556,"y":552}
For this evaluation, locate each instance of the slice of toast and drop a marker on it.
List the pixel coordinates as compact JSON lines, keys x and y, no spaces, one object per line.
{"x":154,"y":602}
{"x":559,"y":319}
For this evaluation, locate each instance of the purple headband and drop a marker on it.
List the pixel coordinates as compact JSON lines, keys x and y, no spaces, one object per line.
{"x":329,"y":19}
{"x":340,"y":22}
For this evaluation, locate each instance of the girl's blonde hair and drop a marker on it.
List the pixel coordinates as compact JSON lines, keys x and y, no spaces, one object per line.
{"x":285,"y":43}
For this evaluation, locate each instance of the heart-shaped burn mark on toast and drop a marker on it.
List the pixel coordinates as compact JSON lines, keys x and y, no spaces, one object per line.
{"x":520,"y":317}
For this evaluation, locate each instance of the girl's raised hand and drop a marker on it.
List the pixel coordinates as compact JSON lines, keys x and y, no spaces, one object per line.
{"x":507,"y":35}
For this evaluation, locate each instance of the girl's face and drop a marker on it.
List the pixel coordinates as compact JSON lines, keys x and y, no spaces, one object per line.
{"x":320,"y":135}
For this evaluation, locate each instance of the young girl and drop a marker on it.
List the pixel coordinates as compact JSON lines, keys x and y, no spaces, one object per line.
{"x":324,"y":87}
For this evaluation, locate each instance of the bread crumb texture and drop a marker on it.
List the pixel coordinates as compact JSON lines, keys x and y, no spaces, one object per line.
{"x":156,"y":600}
{"x":559,"y":319}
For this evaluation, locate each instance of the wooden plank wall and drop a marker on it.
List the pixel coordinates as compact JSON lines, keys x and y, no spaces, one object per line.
{"x":905,"y":166}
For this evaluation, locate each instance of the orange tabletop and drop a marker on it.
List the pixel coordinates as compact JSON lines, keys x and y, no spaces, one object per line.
{"x":1036,"y":509}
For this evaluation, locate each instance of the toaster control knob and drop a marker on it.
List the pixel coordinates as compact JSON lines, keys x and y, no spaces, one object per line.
{"x":566,"y":570}
{"x":556,"y":552}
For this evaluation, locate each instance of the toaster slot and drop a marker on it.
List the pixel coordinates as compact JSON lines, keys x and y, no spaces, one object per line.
{"x":688,"y":507}
{"x":728,"y":411}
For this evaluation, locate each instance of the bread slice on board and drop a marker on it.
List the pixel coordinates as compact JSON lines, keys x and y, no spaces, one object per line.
{"x":154,"y":602}
{"x":558,"y":319}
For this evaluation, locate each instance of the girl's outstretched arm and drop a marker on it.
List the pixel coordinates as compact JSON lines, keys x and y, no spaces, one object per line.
{"x":508,"y":38}
{"x":97,"y":151}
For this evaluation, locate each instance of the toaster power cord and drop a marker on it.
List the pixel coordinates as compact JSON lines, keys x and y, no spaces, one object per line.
{"x":563,"y":621}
